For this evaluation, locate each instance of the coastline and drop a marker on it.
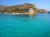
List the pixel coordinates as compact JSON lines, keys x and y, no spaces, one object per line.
{"x":23,"y":13}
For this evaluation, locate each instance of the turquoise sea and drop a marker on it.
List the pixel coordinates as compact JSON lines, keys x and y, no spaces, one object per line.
{"x":24,"y":25}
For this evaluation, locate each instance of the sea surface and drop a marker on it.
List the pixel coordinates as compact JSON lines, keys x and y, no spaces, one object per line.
{"x":24,"y":25}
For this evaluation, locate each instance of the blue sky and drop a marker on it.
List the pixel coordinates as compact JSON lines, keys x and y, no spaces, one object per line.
{"x":44,"y":4}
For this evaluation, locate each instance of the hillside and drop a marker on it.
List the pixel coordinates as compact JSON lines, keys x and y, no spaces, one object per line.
{"x":17,"y":8}
{"x":23,"y":8}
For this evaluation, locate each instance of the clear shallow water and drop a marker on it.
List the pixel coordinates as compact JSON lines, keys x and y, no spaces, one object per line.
{"x":25,"y":26}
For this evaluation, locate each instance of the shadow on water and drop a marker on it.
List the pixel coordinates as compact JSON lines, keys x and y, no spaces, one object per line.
{"x":24,"y":16}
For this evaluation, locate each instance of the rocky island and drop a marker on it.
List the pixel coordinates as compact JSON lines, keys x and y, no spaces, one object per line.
{"x":25,"y":8}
